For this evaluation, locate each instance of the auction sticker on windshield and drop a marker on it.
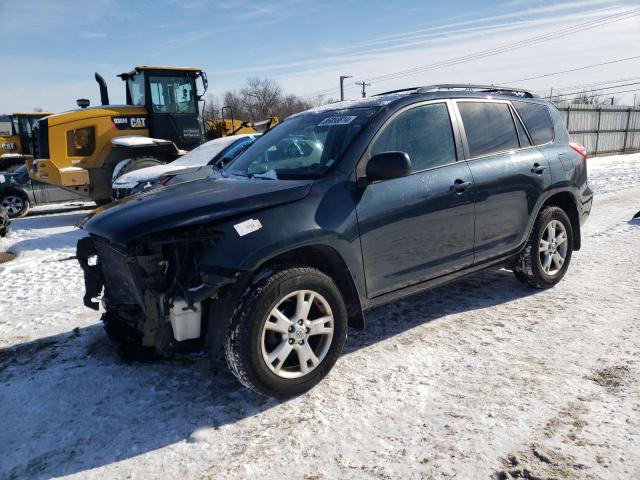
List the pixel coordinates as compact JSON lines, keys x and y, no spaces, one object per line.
{"x":342,"y":120}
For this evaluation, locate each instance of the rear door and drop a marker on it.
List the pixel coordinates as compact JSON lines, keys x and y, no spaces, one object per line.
{"x":509,"y":175}
{"x":419,"y":226}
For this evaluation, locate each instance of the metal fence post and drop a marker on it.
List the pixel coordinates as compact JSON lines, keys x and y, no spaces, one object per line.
{"x":626,"y":131}
{"x":598,"y":131}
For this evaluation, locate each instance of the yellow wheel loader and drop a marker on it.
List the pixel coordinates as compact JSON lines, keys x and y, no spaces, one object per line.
{"x":224,"y":127}
{"x":16,"y":138}
{"x":84,"y":150}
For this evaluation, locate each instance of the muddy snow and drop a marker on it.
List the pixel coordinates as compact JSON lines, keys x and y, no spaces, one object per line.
{"x":482,"y":378}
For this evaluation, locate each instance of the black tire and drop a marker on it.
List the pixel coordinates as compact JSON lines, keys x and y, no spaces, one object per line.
{"x":138,"y":163}
{"x":528,"y":268}
{"x":5,"y":222}
{"x":243,"y":346}
{"x":9,"y":198}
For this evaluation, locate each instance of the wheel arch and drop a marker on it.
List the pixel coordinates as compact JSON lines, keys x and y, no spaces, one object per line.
{"x":567,"y":202}
{"x":327,"y":260}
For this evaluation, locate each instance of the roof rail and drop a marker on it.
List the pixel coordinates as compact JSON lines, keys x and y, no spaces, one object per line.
{"x":416,"y":89}
{"x":478,"y":88}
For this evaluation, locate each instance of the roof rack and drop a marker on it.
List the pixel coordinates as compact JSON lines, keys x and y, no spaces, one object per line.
{"x":466,"y":88}
{"x":397,"y":91}
{"x":478,"y":88}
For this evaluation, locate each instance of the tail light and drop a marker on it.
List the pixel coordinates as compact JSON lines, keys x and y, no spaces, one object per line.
{"x":165,"y":180}
{"x":580,"y":149}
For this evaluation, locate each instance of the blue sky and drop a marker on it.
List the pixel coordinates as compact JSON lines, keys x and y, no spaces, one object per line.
{"x":51,"y":48}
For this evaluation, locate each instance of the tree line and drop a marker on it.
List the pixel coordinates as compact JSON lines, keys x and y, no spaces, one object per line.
{"x":258,"y":99}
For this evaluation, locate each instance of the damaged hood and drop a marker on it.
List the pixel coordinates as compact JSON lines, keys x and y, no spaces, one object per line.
{"x":193,"y":203}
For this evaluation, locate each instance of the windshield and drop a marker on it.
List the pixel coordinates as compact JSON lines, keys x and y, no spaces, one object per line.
{"x":172,"y":94}
{"x":304,"y":146}
{"x":208,"y":151}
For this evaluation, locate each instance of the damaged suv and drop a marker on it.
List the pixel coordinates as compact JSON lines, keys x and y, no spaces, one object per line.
{"x":334,"y":211}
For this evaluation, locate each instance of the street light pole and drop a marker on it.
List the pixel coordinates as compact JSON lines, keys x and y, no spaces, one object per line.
{"x":342,"y":79}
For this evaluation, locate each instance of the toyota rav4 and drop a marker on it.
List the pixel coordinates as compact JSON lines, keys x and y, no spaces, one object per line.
{"x":334,"y":211}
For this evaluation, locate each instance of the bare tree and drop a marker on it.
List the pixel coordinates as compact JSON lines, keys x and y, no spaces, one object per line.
{"x":290,"y":105}
{"x":260,"y":97}
{"x":586,"y":99}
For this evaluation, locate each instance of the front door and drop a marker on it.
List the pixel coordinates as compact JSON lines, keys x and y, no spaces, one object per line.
{"x":420,"y":226}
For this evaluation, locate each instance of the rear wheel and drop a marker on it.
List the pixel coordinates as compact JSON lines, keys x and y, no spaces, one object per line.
{"x":547,"y":255}
{"x":287,"y":333}
{"x":15,"y":205}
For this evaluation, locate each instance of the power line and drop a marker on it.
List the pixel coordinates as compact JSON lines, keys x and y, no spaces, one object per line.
{"x":600,"y":90}
{"x":513,"y":45}
{"x":504,"y":48}
{"x":568,"y":71}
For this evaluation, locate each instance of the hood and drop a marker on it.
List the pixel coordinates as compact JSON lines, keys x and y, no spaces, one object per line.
{"x":131,"y":179}
{"x":193,"y":203}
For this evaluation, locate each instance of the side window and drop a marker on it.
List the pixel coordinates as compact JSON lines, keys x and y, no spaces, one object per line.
{"x":537,"y":120}
{"x":489,"y":127}
{"x":424,"y":133}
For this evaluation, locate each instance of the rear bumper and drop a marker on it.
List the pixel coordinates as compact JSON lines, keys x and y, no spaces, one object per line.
{"x":586,"y":202}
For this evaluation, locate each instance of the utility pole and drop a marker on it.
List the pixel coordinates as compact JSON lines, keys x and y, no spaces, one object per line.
{"x":364,"y":86}
{"x":612,"y":100}
{"x":342,"y":79}
{"x":551,"y":94}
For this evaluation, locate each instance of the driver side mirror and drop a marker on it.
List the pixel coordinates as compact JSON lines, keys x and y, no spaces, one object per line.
{"x":388,"y":165}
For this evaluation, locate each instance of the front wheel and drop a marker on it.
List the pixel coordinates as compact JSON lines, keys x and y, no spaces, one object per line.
{"x":547,"y":255}
{"x":287,"y":333}
{"x":15,"y":205}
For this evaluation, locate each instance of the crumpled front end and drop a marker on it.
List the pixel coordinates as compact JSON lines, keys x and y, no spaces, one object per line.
{"x":153,"y":293}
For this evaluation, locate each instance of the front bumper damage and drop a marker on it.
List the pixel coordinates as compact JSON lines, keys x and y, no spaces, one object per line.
{"x":155,"y":295}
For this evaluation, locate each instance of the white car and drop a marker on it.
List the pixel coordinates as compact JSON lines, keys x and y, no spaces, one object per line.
{"x":212,"y":154}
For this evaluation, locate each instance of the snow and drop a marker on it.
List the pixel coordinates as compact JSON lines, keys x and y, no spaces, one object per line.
{"x":471,"y":379}
{"x":195,"y":158}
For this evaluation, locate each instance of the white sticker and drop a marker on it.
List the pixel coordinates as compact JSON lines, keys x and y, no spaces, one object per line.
{"x":329,"y":121}
{"x":247,"y":226}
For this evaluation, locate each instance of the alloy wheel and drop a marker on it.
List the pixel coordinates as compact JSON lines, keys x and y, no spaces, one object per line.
{"x":13,"y":204}
{"x":553,"y":247}
{"x":297,"y":334}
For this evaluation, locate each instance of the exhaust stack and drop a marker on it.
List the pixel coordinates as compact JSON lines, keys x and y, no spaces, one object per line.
{"x":104,"y":93}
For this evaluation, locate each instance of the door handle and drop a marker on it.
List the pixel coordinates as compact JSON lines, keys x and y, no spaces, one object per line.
{"x":539,"y":169}
{"x":459,"y":186}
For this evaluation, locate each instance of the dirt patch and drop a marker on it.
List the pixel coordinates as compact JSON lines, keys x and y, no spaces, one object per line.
{"x":611,"y":377}
{"x":6,"y":257}
{"x":538,"y":463}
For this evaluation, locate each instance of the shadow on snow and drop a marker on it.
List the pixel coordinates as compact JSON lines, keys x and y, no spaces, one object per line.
{"x":69,"y":404}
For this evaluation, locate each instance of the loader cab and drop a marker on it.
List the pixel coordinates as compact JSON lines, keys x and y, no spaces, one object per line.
{"x":170,"y":96}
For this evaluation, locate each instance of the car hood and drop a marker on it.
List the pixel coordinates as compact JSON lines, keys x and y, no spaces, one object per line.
{"x":193,"y":203}
{"x":131,"y":179}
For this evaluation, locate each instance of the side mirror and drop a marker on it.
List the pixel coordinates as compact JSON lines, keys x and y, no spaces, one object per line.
{"x":388,"y":165}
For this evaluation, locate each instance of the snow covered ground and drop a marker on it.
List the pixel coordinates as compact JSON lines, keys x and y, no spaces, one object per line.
{"x":477,"y":379}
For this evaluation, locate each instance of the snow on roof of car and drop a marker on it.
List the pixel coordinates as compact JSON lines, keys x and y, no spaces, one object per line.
{"x":369,"y":102}
{"x":197,"y":157}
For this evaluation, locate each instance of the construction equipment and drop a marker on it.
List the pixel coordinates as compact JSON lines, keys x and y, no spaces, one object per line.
{"x":84,"y":150}
{"x":16,"y":138}
{"x":224,"y":127}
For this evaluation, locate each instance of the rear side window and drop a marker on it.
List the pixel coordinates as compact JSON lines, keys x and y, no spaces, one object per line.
{"x":537,"y":120}
{"x":489,"y":127}
{"x":424,"y":133}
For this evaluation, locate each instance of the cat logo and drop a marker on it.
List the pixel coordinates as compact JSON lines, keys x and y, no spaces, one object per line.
{"x":8,"y":146}
{"x":129,"y":123}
